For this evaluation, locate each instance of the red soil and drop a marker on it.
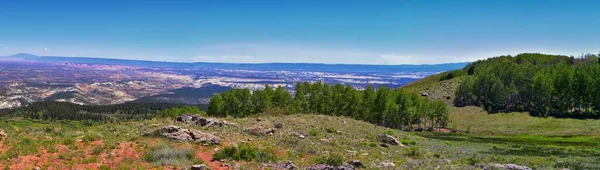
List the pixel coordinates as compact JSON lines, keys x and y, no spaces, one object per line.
{"x":206,"y":156}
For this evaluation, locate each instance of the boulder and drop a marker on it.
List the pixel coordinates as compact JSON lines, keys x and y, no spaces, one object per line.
{"x":389,"y":139}
{"x":195,"y":119}
{"x":424,"y":94}
{"x":200,"y":167}
{"x":260,"y":130}
{"x":177,"y":133}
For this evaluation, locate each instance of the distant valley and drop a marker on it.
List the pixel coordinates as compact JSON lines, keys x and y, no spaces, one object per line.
{"x":28,"y":78}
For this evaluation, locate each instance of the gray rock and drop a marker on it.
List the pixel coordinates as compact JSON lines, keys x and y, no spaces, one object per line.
{"x":321,"y":167}
{"x":387,"y":164}
{"x":260,"y":131}
{"x":388,"y":139}
{"x":502,"y":166}
{"x":177,"y":133}
{"x":357,"y":164}
{"x":194,"y":119}
{"x":515,"y":167}
{"x":287,"y":165}
{"x":424,"y":94}
{"x":200,"y":167}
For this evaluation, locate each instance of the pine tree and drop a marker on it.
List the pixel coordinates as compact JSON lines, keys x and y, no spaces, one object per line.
{"x":281,"y":98}
{"x":369,"y":96}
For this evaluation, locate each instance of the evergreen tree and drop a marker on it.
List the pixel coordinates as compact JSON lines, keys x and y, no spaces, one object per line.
{"x":216,"y":106}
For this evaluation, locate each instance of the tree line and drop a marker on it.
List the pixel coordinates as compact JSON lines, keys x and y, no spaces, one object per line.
{"x":393,"y":108}
{"x":544,"y":85}
{"x":52,"y":110}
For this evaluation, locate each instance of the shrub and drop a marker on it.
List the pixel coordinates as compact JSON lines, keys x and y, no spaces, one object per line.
{"x":97,"y":150}
{"x":414,"y":152}
{"x":244,"y":152}
{"x":91,"y":137}
{"x":313,"y":132}
{"x":164,"y":154}
{"x":332,"y":159}
{"x":330,"y":130}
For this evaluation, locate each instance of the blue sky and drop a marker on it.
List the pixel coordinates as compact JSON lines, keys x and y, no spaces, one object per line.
{"x":344,"y":31}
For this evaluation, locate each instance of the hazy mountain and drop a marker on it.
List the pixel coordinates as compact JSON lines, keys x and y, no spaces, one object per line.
{"x":21,"y":57}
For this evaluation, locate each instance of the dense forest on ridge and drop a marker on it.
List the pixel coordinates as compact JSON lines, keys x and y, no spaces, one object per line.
{"x":544,"y":85}
{"x":394,"y":108}
{"x":52,"y":110}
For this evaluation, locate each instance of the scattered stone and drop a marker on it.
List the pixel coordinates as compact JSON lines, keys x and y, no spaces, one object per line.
{"x":387,"y":164}
{"x":329,"y":167}
{"x":278,"y":125}
{"x":502,"y":166}
{"x":260,"y":131}
{"x":195,"y":119}
{"x":424,"y":94}
{"x":320,"y":167}
{"x":3,"y":134}
{"x":177,"y":133}
{"x":287,"y":165}
{"x":388,"y":139}
{"x":200,"y":167}
{"x":299,"y":135}
{"x":357,"y":164}
{"x":516,"y":167}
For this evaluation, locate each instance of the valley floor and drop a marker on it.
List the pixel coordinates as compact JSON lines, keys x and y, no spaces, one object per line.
{"x":514,"y":138}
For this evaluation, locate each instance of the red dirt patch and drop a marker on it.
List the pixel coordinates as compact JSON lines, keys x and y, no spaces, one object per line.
{"x":206,"y":156}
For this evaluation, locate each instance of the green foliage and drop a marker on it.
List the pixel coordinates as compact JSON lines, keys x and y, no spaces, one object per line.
{"x":244,"y":152}
{"x":52,"y":110}
{"x":164,"y":154}
{"x":414,"y":152}
{"x":313,"y":132}
{"x":332,"y":159}
{"x":394,"y":108}
{"x":176,"y":111}
{"x":545,"y":85}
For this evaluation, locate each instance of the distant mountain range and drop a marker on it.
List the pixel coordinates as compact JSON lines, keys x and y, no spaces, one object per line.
{"x":244,"y":66}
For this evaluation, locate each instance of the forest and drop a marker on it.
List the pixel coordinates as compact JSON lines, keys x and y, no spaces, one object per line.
{"x":52,"y":110}
{"x":393,"y":108}
{"x":544,"y":85}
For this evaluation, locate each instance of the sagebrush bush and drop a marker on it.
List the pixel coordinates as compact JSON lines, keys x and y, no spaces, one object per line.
{"x":332,"y":159}
{"x":164,"y":154}
{"x":244,"y":152}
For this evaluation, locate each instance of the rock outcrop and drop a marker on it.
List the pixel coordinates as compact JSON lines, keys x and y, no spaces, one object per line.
{"x":198,"y":120}
{"x":177,"y":133}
